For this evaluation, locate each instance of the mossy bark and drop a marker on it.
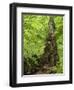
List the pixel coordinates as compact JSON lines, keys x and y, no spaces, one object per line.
{"x":50,"y":55}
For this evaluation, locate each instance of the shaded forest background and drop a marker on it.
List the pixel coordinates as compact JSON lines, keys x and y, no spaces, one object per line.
{"x":35,"y":32}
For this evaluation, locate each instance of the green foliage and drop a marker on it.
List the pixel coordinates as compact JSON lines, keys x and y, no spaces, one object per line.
{"x":59,"y":39}
{"x":35,"y":31}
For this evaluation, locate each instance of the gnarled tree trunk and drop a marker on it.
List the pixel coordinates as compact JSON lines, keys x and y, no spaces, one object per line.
{"x":50,"y":55}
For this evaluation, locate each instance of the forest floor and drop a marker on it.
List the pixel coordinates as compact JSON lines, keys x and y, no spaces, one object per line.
{"x":46,"y":69}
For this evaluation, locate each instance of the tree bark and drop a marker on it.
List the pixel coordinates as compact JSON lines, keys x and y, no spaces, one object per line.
{"x":50,"y":55}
